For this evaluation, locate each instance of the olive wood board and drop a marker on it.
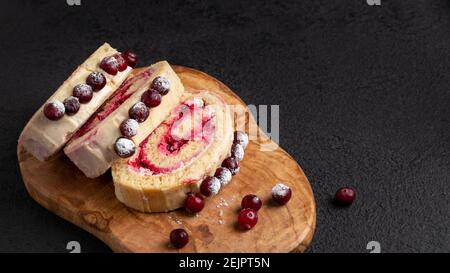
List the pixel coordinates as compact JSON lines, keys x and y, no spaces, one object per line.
{"x":60,"y":187}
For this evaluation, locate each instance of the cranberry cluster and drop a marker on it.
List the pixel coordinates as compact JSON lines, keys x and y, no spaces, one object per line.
{"x":211,"y":185}
{"x":138,"y":113}
{"x":247,"y":217}
{"x":83,"y":92}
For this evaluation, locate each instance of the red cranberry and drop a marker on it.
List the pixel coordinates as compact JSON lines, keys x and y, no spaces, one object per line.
{"x":231,"y":164}
{"x":130,"y":58}
{"x":54,"y":110}
{"x":247,"y":218}
{"x":179,"y":237}
{"x":251,"y":201}
{"x":281,"y":193}
{"x":129,"y":127}
{"x":110,"y":65}
{"x":194,"y":203}
{"x":96,"y":80}
{"x":139,"y":112}
{"x":83,"y":92}
{"x":124,"y":147}
{"x":241,"y":138}
{"x":72,"y":105}
{"x":121,"y":63}
{"x":237,"y":151}
{"x":224,"y":175}
{"x":151,"y":98}
{"x":345,"y":196}
{"x":210,"y":186}
{"x":161,"y":84}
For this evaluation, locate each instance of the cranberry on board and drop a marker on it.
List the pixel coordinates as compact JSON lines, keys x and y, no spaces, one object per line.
{"x":54,"y":110}
{"x":96,"y":80}
{"x":83,"y":92}
{"x":110,"y":65}
{"x":194,"y":203}
{"x":161,"y":84}
{"x":130,"y":58}
{"x":121,"y":63}
{"x":247,"y":218}
{"x":231,"y":164}
{"x":281,"y":193}
{"x":345,"y":196}
{"x":151,"y":98}
{"x":129,"y":128}
{"x":139,"y":112}
{"x":251,"y":201}
{"x":210,"y":186}
{"x":179,"y":238}
{"x":71,"y":104}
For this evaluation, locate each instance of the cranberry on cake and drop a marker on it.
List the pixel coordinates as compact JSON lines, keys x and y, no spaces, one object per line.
{"x":107,"y":134}
{"x":177,"y":156}
{"x":55,"y":122}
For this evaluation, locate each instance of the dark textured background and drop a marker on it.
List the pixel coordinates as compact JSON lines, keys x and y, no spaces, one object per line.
{"x":363,"y":92}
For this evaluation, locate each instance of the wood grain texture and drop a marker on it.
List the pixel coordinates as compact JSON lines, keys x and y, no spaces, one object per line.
{"x":90,"y":203}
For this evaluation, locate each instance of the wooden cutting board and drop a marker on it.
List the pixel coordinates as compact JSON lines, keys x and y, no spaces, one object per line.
{"x":90,"y":203}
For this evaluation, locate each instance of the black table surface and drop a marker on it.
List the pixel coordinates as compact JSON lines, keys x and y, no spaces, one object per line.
{"x":363,"y":93}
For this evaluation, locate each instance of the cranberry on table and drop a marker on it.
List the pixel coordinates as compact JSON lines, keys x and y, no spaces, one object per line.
{"x":251,"y":201}
{"x":110,"y":65}
{"x":160,"y":84}
{"x":96,"y":80}
{"x":247,"y":218}
{"x":124,"y":147}
{"x":231,"y":164}
{"x":72,"y":105}
{"x":83,"y":92}
{"x":151,"y":98}
{"x":130,"y":58}
{"x":224,"y":175}
{"x":345,"y":196}
{"x":139,"y":112}
{"x":54,"y":110}
{"x":194,"y":203}
{"x":210,"y":186}
{"x":281,"y":193}
{"x":129,"y":127}
{"x":237,"y":151}
{"x":179,"y":238}
{"x":121,"y":63}
{"x":241,"y":138}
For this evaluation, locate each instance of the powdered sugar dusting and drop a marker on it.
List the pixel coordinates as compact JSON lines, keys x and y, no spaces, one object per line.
{"x":237,"y":150}
{"x":176,"y":220}
{"x":214,"y":185}
{"x":124,"y":147}
{"x":280,"y":190}
{"x":58,"y":105}
{"x":222,"y":203}
{"x":241,"y":138}
{"x":129,"y":127}
{"x":224,"y":175}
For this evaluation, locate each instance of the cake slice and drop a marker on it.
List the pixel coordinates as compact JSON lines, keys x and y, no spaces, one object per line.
{"x":94,"y":146}
{"x":71,"y":105}
{"x":174,"y":159}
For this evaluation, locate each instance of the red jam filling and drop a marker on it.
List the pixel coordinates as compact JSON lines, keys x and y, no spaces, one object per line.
{"x":171,"y":142}
{"x":119,"y":97}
